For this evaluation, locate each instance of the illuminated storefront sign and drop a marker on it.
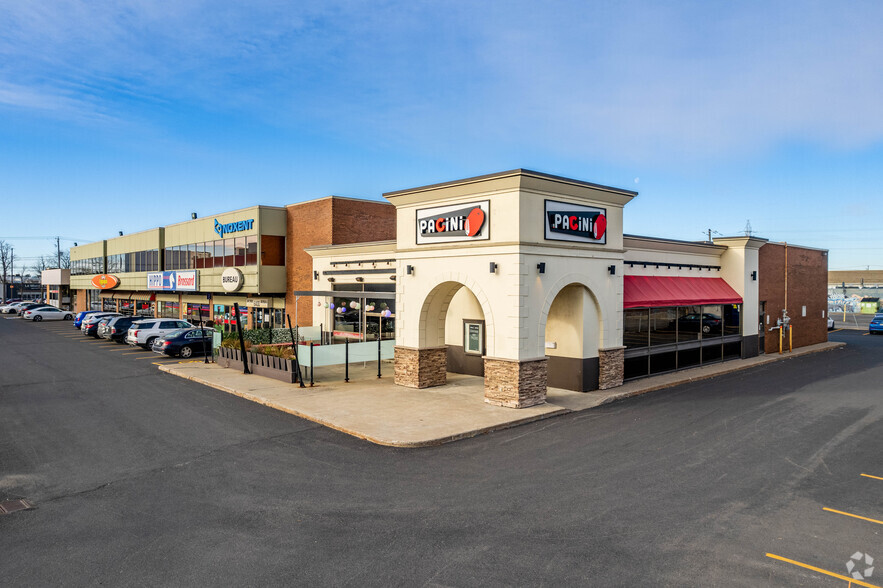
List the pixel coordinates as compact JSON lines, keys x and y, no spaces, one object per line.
{"x":105,"y":281}
{"x":231,"y":279}
{"x":460,"y":222}
{"x":573,"y":222}
{"x":224,"y":228}
{"x":182,"y":281}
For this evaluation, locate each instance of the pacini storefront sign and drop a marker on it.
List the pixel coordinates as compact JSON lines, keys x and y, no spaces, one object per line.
{"x":179,"y":281}
{"x":573,"y":222}
{"x":225,"y":228}
{"x":460,"y":222}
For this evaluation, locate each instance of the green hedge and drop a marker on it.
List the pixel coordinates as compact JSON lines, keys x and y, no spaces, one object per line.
{"x":262,"y":336}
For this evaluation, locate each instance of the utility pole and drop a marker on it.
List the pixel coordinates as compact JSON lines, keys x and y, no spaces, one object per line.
{"x":58,"y":250}
{"x":709,"y":236}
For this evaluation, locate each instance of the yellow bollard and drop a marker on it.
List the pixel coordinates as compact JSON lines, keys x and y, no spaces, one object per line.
{"x":780,"y":340}
{"x":790,"y":338}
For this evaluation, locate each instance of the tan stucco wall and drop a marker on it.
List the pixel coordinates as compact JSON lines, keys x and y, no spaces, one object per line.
{"x":464,"y":305}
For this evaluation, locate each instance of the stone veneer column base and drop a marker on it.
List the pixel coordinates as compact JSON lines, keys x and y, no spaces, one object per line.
{"x":421,"y":368}
{"x":515,"y":384}
{"x":611,"y":364}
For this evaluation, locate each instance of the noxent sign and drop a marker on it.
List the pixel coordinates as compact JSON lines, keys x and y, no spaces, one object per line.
{"x":224,"y":228}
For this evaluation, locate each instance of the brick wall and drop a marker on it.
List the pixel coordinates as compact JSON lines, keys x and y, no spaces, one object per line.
{"x":329,"y":221}
{"x":807,"y":286}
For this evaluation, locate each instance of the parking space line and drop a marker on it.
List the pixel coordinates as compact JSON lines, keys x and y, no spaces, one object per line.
{"x":153,"y":356}
{"x":870,"y":476}
{"x":852,"y":581}
{"x":137,"y":352}
{"x":852,"y":515}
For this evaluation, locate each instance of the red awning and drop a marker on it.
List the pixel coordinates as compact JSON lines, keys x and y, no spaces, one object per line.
{"x":641,"y":291}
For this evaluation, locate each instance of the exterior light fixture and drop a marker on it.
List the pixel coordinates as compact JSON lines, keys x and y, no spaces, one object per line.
{"x":754,"y":276}
{"x":360,"y":279}
{"x":330,"y":279}
{"x":541,"y":267}
{"x":121,"y":233}
{"x":409,"y":269}
{"x":315,"y":275}
{"x":611,"y":269}
{"x":193,"y":215}
{"x":493,"y":268}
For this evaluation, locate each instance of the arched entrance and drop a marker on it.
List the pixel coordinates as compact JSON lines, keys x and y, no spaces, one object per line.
{"x":452,"y":334}
{"x":572,"y":335}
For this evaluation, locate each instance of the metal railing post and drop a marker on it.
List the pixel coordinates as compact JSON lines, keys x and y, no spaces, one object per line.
{"x":378,"y":356}
{"x":346,"y":360}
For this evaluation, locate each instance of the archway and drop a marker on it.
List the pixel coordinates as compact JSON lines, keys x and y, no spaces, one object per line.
{"x":452,"y":317}
{"x":572,"y":333}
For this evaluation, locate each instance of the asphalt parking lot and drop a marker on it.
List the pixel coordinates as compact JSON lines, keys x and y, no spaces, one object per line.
{"x":767,"y":477}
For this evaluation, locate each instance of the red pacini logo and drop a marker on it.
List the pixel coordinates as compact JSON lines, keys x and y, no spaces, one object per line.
{"x":467,"y":222}
{"x":584,"y":224}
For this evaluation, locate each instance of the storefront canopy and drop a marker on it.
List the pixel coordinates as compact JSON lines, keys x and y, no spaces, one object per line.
{"x":643,"y":291}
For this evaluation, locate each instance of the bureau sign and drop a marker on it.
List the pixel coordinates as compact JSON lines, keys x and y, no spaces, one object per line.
{"x":231,"y":279}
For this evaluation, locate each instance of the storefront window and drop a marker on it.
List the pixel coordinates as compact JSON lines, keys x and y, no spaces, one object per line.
{"x":197,"y":313}
{"x":169,"y":310}
{"x":712,"y":321}
{"x":219,"y":254}
{"x":689,"y":323}
{"x":636,"y":328}
{"x":228,"y":252}
{"x":663,"y":326}
{"x":732,"y":319}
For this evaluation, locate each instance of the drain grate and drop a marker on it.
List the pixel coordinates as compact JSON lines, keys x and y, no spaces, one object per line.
{"x":8,"y":506}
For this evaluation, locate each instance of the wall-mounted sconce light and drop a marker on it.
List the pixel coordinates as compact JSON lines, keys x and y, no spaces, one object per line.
{"x":754,"y":276}
{"x":360,"y":279}
{"x":331,"y":279}
{"x":392,"y":277}
{"x":75,"y":244}
{"x":541,"y":267}
{"x":315,"y":275}
{"x":611,"y":269}
{"x":121,"y":233}
{"x":193,"y":215}
{"x":409,"y":269}
{"x":493,"y":268}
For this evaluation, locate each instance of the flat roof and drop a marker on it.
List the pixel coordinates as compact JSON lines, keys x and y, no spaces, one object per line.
{"x":513,"y":172}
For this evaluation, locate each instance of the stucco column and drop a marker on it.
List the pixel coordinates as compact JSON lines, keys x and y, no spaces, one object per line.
{"x":420,"y":368}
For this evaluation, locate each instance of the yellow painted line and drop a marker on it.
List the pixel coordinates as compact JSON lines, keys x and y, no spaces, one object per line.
{"x":821,"y":571}
{"x":870,"y":476}
{"x":153,"y":356}
{"x":138,"y":352}
{"x":853,"y":515}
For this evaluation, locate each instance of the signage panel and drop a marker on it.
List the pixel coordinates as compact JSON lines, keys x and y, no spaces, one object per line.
{"x":237,"y":227}
{"x":183,"y":281}
{"x":574,"y":222}
{"x":231,"y":279}
{"x":105,"y":281}
{"x":458,"y":222}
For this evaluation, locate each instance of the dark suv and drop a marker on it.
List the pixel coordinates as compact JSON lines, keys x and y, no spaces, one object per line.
{"x":116,"y":328}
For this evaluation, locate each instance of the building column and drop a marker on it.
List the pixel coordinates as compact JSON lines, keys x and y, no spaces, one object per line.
{"x":611,"y":366}
{"x":421,"y":368}
{"x":515,"y":384}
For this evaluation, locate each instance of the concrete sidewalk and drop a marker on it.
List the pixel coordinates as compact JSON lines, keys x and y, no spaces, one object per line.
{"x":381,"y":412}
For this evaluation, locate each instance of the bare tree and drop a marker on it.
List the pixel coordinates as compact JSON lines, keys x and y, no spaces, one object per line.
{"x":43,"y":262}
{"x":6,"y":259}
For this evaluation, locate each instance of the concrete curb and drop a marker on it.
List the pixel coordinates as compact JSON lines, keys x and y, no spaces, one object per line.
{"x":639,"y":387}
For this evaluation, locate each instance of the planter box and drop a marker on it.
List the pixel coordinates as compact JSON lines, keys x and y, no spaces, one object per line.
{"x":259,"y":364}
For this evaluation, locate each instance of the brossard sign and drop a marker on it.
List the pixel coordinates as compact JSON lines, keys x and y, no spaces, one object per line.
{"x":574,"y":222}
{"x":459,"y":222}
{"x":184,"y":281}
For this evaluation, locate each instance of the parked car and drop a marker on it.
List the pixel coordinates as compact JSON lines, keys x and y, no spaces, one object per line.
{"x":876,"y":325}
{"x":184,"y":343}
{"x":9,"y":303}
{"x":92,"y":328}
{"x":116,"y":328}
{"x":19,"y":307}
{"x":710,"y":323}
{"x":48,"y":313}
{"x":830,"y":323}
{"x":90,"y":323}
{"x":78,"y":320}
{"x":146,"y":331}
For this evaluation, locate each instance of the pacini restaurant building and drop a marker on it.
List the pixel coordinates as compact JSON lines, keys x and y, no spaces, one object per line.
{"x":520,"y":277}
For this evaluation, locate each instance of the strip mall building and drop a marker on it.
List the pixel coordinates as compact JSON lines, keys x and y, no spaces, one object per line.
{"x":520,"y":277}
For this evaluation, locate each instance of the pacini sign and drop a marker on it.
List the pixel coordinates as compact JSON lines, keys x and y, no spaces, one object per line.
{"x":572,"y":222}
{"x":453,"y":223}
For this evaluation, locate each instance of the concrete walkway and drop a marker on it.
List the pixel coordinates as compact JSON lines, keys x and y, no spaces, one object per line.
{"x":381,"y":412}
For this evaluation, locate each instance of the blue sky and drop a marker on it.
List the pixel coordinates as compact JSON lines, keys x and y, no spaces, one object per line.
{"x":123,"y":116}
